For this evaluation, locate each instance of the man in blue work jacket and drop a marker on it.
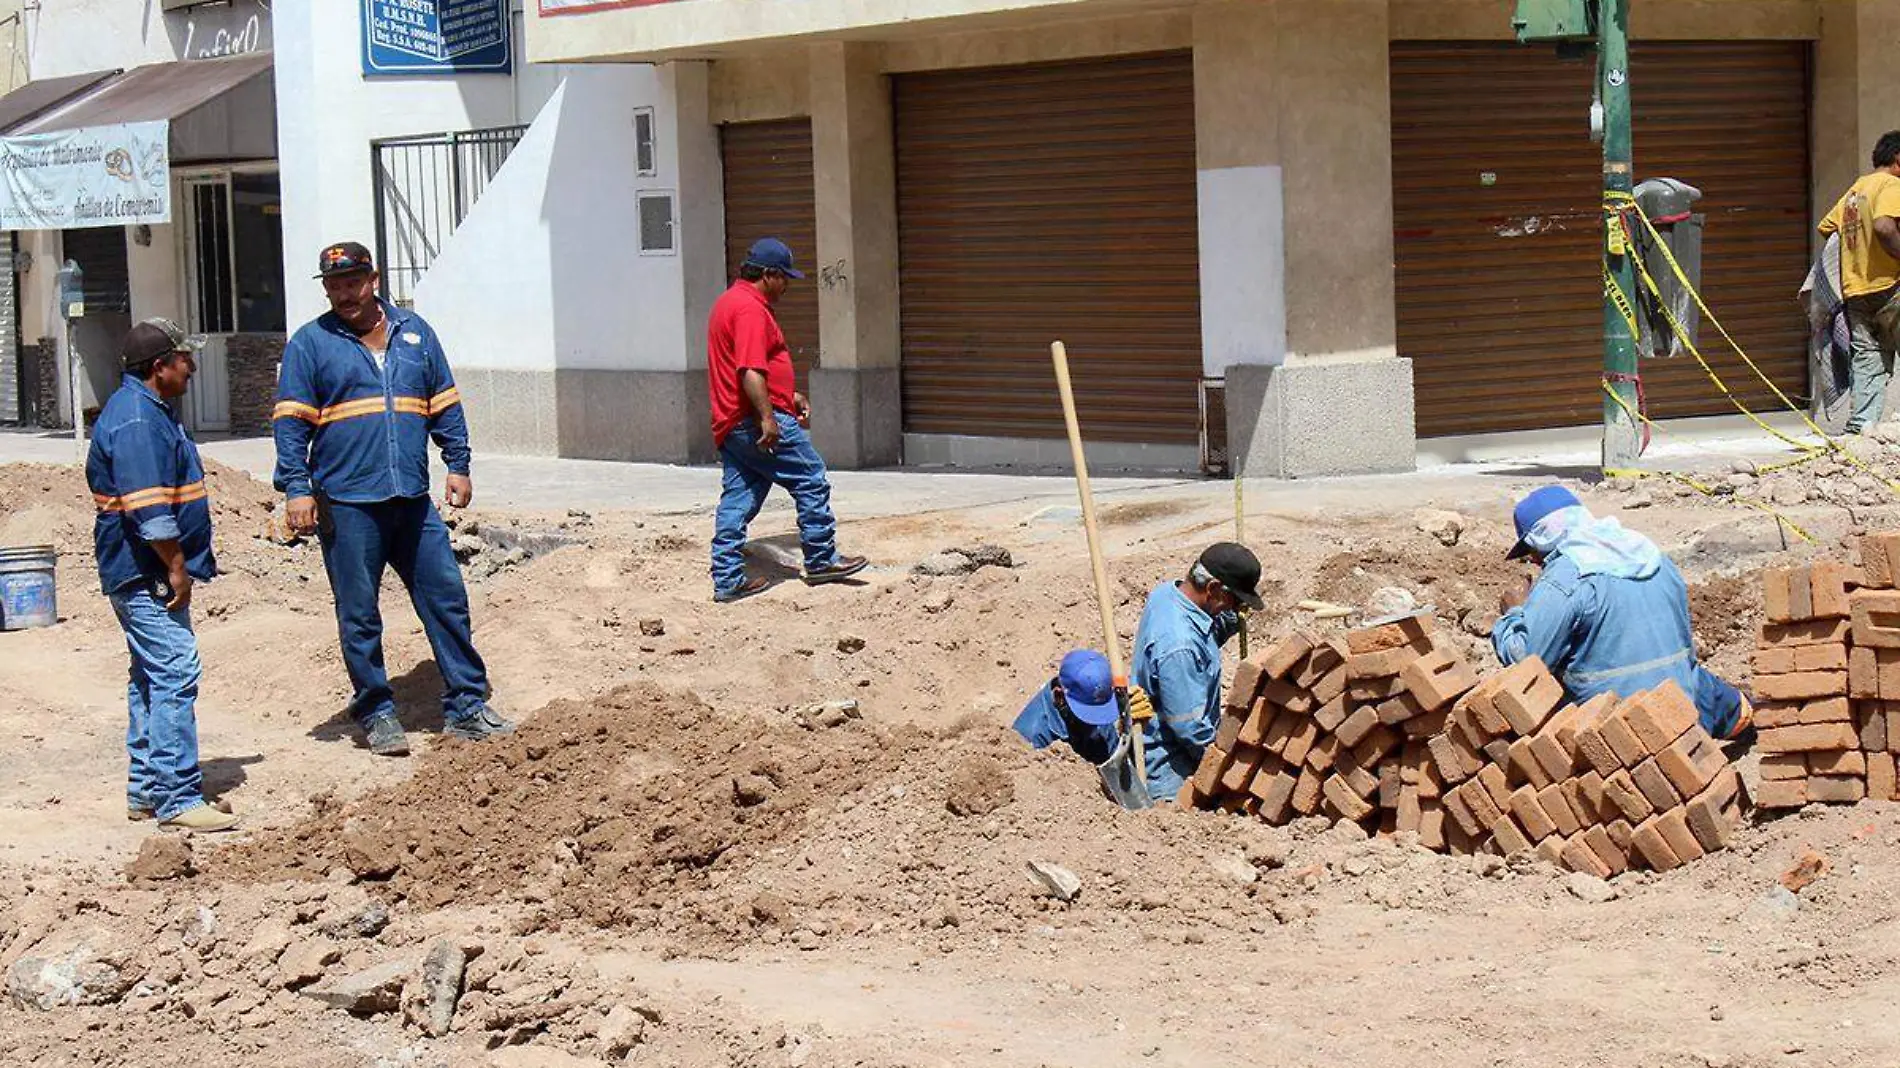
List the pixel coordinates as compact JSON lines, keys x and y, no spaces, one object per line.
{"x":151,"y":537}
{"x":1077,"y":707}
{"x":1608,"y":614}
{"x":362,"y":391}
{"x":1177,"y":659}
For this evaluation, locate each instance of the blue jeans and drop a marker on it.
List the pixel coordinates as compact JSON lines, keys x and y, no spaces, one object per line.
{"x":161,"y":734}
{"x":359,"y":541}
{"x":750,"y":476}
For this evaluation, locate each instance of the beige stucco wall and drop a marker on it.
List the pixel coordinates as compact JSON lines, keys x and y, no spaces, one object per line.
{"x":774,"y":85}
{"x":1856,"y":95}
{"x":855,"y":174}
{"x":1489,"y":20}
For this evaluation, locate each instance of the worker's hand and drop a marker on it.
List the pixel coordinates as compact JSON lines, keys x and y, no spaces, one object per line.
{"x":1515,"y":596}
{"x":460,"y":491}
{"x":180,"y":581}
{"x":802,"y":408}
{"x":1140,"y":709}
{"x":768,"y":435}
{"x":301,"y":514}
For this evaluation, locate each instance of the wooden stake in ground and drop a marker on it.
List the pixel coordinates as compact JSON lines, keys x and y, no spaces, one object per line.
{"x":1240,"y":538}
{"x":1111,"y":642}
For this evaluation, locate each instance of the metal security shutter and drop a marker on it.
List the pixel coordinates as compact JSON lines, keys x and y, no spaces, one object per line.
{"x":100,"y":253}
{"x":11,"y":392}
{"x":1043,"y":203}
{"x":769,"y":187}
{"x":1499,"y":289}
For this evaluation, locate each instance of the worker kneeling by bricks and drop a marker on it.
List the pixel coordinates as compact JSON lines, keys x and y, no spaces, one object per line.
{"x":1609,"y":613}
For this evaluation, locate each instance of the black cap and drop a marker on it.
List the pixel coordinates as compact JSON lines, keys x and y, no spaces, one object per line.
{"x":344,"y":257}
{"x":1238,"y":569}
{"x":154,"y":338}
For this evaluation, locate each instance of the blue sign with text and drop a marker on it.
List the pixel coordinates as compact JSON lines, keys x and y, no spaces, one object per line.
{"x":436,"y":37}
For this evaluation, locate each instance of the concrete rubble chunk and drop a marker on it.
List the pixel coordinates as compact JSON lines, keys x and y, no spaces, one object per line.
{"x":305,"y":962}
{"x":365,"y":921}
{"x":1588,"y":888}
{"x":373,"y":990}
{"x":622,"y":1030}
{"x":430,"y":1003}
{"x":944,"y":565}
{"x":1445,"y":526}
{"x":268,"y":941}
{"x":1061,"y":883}
{"x":1234,"y":868}
{"x":78,"y":978}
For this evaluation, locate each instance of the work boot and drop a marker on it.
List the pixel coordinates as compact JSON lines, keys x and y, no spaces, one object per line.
{"x":842,"y":568}
{"x":141,"y":813}
{"x":386,"y":737}
{"x":751,"y":588}
{"x":480,"y":727}
{"x":203,"y":818}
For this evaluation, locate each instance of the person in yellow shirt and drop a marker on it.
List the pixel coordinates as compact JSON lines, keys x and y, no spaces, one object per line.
{"x":1868,"y":220}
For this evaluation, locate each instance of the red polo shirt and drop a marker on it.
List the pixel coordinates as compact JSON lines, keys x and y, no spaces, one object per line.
{"x":744,"y":335}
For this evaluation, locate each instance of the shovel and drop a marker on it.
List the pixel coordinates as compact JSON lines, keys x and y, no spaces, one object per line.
{"x":1125,"y":773}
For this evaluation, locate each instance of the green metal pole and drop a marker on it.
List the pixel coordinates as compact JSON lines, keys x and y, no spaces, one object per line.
{"x":1622,"y":436}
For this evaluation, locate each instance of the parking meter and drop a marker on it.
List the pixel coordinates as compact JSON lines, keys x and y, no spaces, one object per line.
{"x":72,"y":290}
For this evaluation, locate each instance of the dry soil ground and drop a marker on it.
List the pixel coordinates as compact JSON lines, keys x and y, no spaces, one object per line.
{"x":681,"y":861}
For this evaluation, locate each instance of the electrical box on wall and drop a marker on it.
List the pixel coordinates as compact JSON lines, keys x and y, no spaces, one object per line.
{"x":1553,"y":21}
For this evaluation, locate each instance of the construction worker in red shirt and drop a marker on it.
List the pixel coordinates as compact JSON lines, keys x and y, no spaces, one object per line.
{"x":760,"y":423}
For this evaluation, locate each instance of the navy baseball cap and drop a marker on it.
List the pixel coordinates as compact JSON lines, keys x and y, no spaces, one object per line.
{"x":1089,"y":687}
{"x":1535,"y":507}
{"x":771,"y":254}
{"x":344,"y":257}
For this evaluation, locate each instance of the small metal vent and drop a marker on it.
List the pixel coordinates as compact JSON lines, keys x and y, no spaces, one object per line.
{"x":656,"y":223}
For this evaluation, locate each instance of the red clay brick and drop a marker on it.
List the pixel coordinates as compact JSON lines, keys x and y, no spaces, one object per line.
{"x":1622,"y":834}
{"x":1375,"y":747}
{"x":1692,"y":762}
{"x":1655,"y":785}
{"x":1288,"y":696}
{"x":1389,"y":786}
{"x":1878,"y":553}
{"x":1320,"y":757}
{"x":1281,"y":729}
{"x":1491,"y":777}
{"x":1649,"y":843}
{"x":1821,"y":658}
{"x":1781,"y":793}
{"x":1306,"y":792}
{"x":1411,"y":812}
{"x":1808,"y":738}
{"x":1332,"y":684}
{"x":1362,"y":781}
{"x":1582,"y":801}
{"x":1416,"y":628}
{"x":1523,"y":765}
{"x":1438,"y":678}
{"x":1892,"y":716}
{"x":1484,"y":811}
{"x":1775,"y":594}
{"x":1213,"y":765}
{"x":1358,"y":725}
{"x":1558,"y":761}
{"x":1275,"y":792}
{"x":1872,"y":726}
{"x":1616,"y":731}
{"x":1882,"y":784}
{"x":1342,"y":797}
{"x":1812,"y":632}
{"x":1425,"y":726}
{"x":1887,"y":673}
{"x":1498,"y":751}
{"x":1246,"y":684}
{"x":1431,"y":826}
{"x":1374,"y":691}
{"x":1800,"y":595}
{"x":1457,"y":807}
{"x":1527,"y":695}
{"x":1827,"y":710}
{"x":1836,"y":789}
{"x":1187,"y":796}
{"x":1509,"y":836}
{"x":1531,"y":815}
{"x":1385,"y":663}
{"x":1228,"y":733}
{"x":1876,"y":618}
{"x":1674,"y":826}
{"x":1620,"y":791}
{"x":1241,"y":765}
{"x":1828,"y":582}
{"x":1659,"y":716}
{"x":1579,"y":857}
{"x":1614,"y":857}
{"x":1557,"y":807}
{"x":1784,"y":766}
{"x":1771,"y":714}
{"x":1596,"y":751}
{"x":1326,"y":655}
{"x":1430,"y":783}
{"x":1839,"y":762}
{"x":1482,"y":701}
{"x":1590,"y":714}
{"x":1801,"y":686}
{"x":1772,"y":661}
{"x":1259,"y":719}
{"x":1331,"y":714}
{"x":1552,"y":849}
{"x":1712,"y":814}
{"x":1399,"y":709}
{"x":1286,"y":655}
{"x":1300,"y":742}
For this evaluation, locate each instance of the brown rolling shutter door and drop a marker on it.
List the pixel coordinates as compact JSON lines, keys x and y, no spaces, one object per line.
{"x":769,"y":193}
{"x":1043,"y":203}
{"x":1499,"y":288}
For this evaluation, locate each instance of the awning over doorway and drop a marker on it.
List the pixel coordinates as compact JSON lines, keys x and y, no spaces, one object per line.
{"x":34,"y":99}
{"x":147,"y":94}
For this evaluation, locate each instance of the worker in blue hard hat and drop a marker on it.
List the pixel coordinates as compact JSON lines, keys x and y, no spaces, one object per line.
{"x":1079,"y":707}
{"x":1609,"y":613}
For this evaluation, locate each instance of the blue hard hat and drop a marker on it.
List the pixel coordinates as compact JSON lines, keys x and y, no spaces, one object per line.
{"x":773,"y":255}
{"x":1535,"y":507}
{"x":1089,"y":686}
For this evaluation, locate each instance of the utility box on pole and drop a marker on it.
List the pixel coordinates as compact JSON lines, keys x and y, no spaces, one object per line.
{"x":1555,"y":21}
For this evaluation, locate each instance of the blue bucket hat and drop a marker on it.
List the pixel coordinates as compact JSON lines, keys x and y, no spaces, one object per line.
{"x":1089,"y":687}
{"x":771,"y":254}
{"x":1535,"y":507}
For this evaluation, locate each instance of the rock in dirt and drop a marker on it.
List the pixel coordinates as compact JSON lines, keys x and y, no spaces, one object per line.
{"x":749,"y":790}
{"x":368,"y":859}
{"x":162,"y":856}
{"x":365,"y":921}
{"x":850,"y":644}
{"x":1234,"y":868}
{"x":1447,"y":527}
{"x":937,"y":603}
{"x":622,"y":1030}
{"x":1589,"y":889}
{"x":430,"y":1002}
{"x":771,"y":909}
{"x":1806,"y":871}
{"x":1390,"y":601}
{"x":979,"y":786}
{"x":304,"y":963}
{"x":653,"y":628}
{"x":78,"y":978}
{"x":943,"y":565}
{"x":987,"y":556}
{"x":269,"y":939}
{"x":365,"y":993}
{"x":1060,"y":883}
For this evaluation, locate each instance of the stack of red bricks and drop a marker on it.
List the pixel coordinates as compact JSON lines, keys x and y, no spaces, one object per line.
{"x":1336,"y":727}
{"x":1827,"y":680}
{"x":1387,"y":728}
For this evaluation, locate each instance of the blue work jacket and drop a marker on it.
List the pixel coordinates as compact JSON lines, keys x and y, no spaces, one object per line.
{"x":1177,"y":660}
{"x":352,"y":431}
{"x":147,"y":485}
{"x":1042,"y":725}
{"x":1600,"y":634}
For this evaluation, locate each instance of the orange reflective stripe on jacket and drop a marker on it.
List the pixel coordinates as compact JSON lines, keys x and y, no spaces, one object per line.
{"x":146,"y":498}
{"x":363,"y":406}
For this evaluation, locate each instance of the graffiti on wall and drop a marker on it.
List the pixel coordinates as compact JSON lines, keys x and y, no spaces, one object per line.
{"x":214,"y":31}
